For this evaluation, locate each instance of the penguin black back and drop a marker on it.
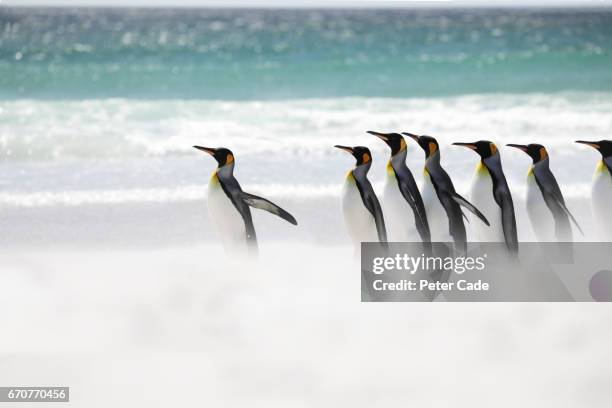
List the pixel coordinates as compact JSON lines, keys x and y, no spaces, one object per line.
{"x":241,"y":201}
{"x":406,"y":183}
{"x":363,"y":158}
{"x":551,"y":192}
{"x":445,"y":190}
{"x":491,"y":159}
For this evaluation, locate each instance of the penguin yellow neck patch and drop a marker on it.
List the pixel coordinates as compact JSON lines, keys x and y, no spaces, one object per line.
{"x":214,"y":179}
{"x":601,"y":167}
{"x":390,"y":170}
{"x":481,"y":169}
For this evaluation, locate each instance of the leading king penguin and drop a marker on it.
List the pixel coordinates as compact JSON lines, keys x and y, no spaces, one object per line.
{"x":228,"y":205}
{"x":546,"y":207}
{"x":442,"y":203}
{"x":362,"y":212}
{"x":601,"y":189}
{"x":491,"y":194}
{"x":402,"y":200}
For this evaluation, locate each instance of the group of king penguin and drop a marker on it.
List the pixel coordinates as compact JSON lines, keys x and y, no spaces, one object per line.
{"x":433,"y":213}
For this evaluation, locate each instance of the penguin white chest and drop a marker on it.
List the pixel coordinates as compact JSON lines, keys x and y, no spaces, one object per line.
{"x":399,"y":216}
{"x":436,"y":215}
{"x":540,"y":216}
{"x":481,"y":195}
{"x":601,"y":200}
{"x":359,"y":221}
{"x":225,"y":217}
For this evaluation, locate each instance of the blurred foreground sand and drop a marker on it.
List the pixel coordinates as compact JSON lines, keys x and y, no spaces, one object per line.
{"x":186,"y":327}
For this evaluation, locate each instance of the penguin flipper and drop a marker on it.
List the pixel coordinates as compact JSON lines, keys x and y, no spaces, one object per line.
{"x":413,"y":197}
{"x":509,"y":224}
{"x":374,"y":206}
{"x":267,"y":205}
{"x":371,"y":203}
{"x":553,"y":202}
{"x":552,"y":194}
{"x":465,"y":203}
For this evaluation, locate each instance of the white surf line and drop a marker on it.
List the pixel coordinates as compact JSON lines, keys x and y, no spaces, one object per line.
{"x":154,"y":195}
{"x":197,"y":192}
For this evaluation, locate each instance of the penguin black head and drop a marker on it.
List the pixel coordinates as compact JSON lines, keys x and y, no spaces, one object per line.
{"x":537,"y":152}
{"x":603,"y":146}
{"x":222,"y":155}
{"x":395,"y":141}
{"x":427,"y":143}
{"x":484,"y":148}
{"x":361,"y":153}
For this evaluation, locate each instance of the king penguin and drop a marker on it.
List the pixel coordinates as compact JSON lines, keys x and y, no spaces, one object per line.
{"x":546,"y":207}
{"x":601,"y":189}
{"x":442,"y":203}
{"x":228,"y":205}
{"x":362,"y":212}
{"x":491,"y":194}
{"x":402,"y":200}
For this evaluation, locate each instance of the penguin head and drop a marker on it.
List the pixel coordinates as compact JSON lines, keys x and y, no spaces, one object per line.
{"x":427,"y":143}
{"x":395,"y":141}
{"x":484,"y":148}
{"x":360,"y":153}
{"x":223,"y":156}
{"x":603,"y":146}
{"x":537,"y":152}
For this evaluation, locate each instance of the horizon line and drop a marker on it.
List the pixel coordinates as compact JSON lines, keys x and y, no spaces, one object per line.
{"x":320,"y":4}
{"x":314,"y":7}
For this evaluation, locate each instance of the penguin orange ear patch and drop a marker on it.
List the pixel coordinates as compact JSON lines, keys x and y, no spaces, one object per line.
{"x":432,"y":147}
{"x":229,"y":159}
{"x":402,"y":144}
{"x":366,"y":157}
{"x":543,"y":153}
{"x":493,"y":148}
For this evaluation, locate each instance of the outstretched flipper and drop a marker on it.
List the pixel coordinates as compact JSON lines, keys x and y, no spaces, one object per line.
{"x":267,"y":205}
{"x":465,"y":203}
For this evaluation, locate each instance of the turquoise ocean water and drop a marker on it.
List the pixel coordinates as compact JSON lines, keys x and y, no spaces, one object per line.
{"x":271,"y":54}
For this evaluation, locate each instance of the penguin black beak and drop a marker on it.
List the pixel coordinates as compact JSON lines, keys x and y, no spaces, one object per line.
{"x":468,"y":145}
{"x":345,"y":148}
{"x":594,"y":145}
{"x":518,"y":146}
{"x":208,"y":150}
{"x":379,"y":135}
{"x":412,"y":136}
